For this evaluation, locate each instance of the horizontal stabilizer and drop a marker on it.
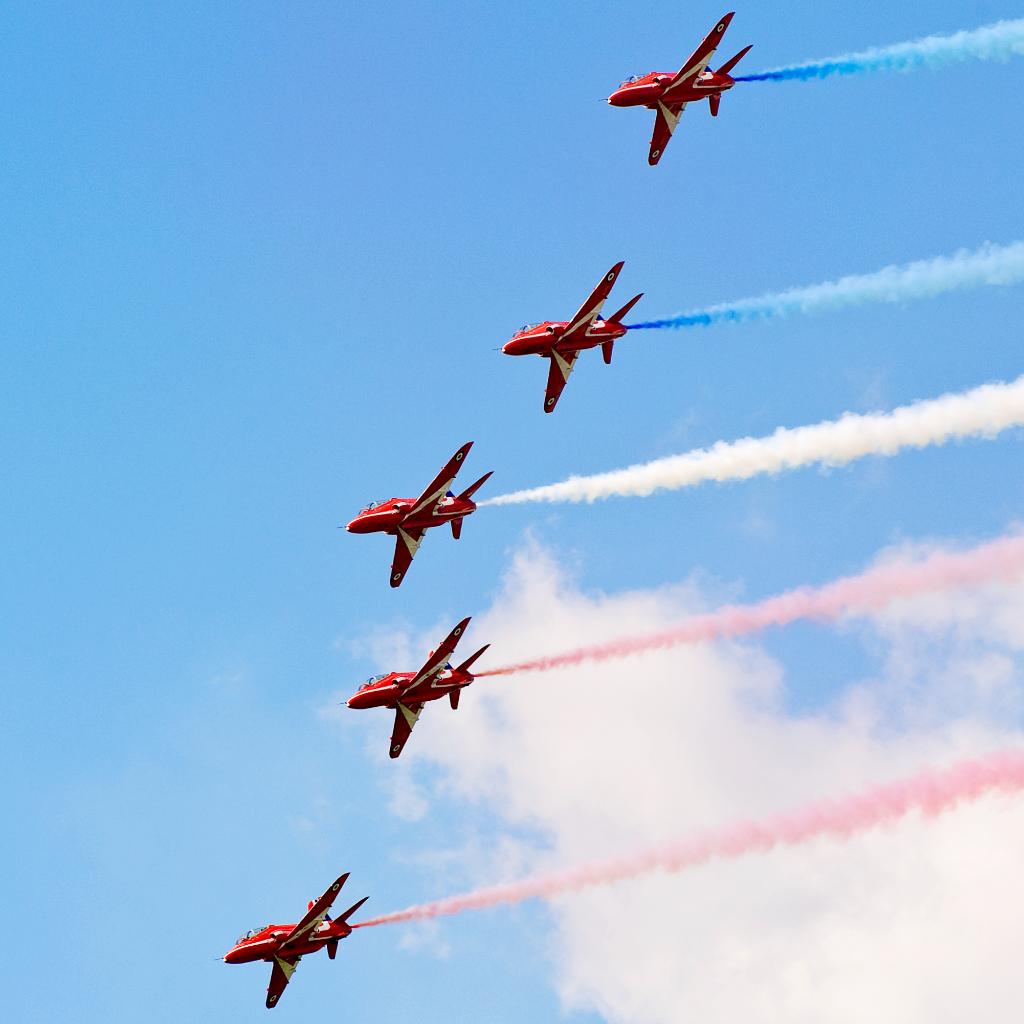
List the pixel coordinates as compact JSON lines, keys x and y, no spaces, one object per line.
{"x":351,"y":910}
{"x":616,"y":318}
{"x":606,"y":351}
{"x":730,"y":64}
{"x":473,"y":488}
{"x":456,"y":528}
{"x":714,"y":102}
{"x":453,"y":699}
{"x":464,"y":667}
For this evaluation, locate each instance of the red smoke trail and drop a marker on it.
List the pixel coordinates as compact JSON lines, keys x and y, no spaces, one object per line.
{"x":930,"y":793}
{"x":999,"y":559}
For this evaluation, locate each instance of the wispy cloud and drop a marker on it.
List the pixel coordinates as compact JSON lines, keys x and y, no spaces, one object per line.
{"x":596,"y":762}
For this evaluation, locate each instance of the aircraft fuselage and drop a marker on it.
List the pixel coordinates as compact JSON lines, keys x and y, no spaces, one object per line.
{"x":264,"y":944}
{"x":652,"y":88}
{"x":389,"y":515}
{"x":543,"y":339}
{"x":385,"y":692}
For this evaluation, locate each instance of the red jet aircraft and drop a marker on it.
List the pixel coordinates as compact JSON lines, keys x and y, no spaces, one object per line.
{"x":284,"y":945}
{"x":562,"y":341}
{"x":669,"y":93}
{"x":407,"y":692}
{"x":408,"y":519}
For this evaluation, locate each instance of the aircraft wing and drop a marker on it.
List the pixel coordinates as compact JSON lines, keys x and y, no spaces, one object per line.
{"x":406,"y":716}
{"x":587,"y":313}
{"x":436,"y":662}
{"x":665,"y":122}
{"x":441,"y":483}
{"x":407,"y":543}
{"x":314,"y":916}
{"x":698,"y":60}
{"x":280,"y":975}
{"x":558,"y":377}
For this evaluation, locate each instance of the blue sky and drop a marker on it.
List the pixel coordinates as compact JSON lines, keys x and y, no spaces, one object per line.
{"x":258,"y":260}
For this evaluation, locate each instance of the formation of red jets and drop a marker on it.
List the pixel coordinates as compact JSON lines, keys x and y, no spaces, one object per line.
{"x":408,"y":519}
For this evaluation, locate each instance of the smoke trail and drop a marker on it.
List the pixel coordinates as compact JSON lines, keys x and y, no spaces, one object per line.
{"x":1000,"y":41}
{"x":930,"y":793}
{"x":981,"y":412}
{"x":989,"y":265}
{"x":1000,"y":559}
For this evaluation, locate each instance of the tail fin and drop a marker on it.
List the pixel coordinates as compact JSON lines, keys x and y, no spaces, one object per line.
{"x":464,"y":667}
{"x":473,"y":488}
{"x":616,"y":318}
{"x":730,"y":64}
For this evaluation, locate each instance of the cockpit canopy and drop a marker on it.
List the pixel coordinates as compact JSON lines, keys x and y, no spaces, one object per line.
{"x":527,"y":327}
{"x":373,"y":679}
{"x":251,"y":933}
{"x":632,"y":80}
{"x":374,"y":504}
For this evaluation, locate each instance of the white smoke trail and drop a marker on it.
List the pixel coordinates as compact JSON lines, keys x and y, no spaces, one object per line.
{"x":989,"y":265}
{"x":982,"y":412}
{"x":1000,"y":41}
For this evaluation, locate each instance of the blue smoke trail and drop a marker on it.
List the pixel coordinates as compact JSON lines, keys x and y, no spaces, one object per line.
{"x":989,"y":265}
{"x":992,"y":42}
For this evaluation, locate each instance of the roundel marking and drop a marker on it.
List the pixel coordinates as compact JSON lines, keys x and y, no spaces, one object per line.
{"x":550,"y":401}
{"x":458,"y":457}
{"x":611,"y":276}
{"x":458,"y":631}
{"x":397,"y":576}
{"x":656,"y":154}
{"x":335,"y":887}
{"x":721,"y":27}
{"x":397,"y":746}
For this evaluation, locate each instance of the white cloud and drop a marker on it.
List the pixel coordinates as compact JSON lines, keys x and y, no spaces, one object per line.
{"x":912,"y":923}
